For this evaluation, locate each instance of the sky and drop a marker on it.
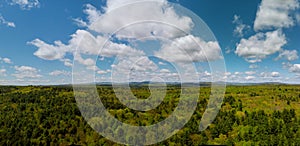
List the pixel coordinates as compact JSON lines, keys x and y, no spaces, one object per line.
{"x":49,"y":42}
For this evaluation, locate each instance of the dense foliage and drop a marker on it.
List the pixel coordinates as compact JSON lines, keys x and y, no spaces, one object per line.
{"x":259,"y":115}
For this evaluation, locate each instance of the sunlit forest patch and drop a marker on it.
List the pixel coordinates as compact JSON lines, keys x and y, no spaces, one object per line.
{"x":45,"y":115}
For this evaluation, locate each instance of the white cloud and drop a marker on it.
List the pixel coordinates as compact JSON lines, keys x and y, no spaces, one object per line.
{"x":275,"y":14}
{"x":2,"y":72}
{"x":7,"y":60}
{"x":297,"y":17}
{"x":5,"y":22}
{"x":263,"y":74}
{"x":258,"y":77}
{"x":80,"y":22}
{"x":67,"y":62}
{"x":286,"y":65}
{"x":161,"y":63}
{"x":137,"y":68}
{"x":93,"y":67}
{"x":143,"y":64}
{"x":240,"y":26}
{"x":275,"y":74}
{"x":253,"y":66}
{"x":87,"y":62}
{"x":48,"y":51}
{"x":92,"y":13}
{"x":261,"y":45}
{"x":103,"y":71}
{"x":26,"y":4}
{"x":250,"y":72}
{"x":59,"y":73}
{"x":270,"y":76}
{"x":237,"y":73}
{"x":26,"y":72}
{"x":239,"y":30}
{"x":228,"y":50}
{"x":295,"y":68}
{"x":114,"y":4}
{"x":25,"y":68}
{"x":206,"y":73}
{"x":155,"y":18}
{"x":165,"y":71}
{"x":288,"y":55}
{"x":127,"y":64}
{"x":250,"y":78}
{"x":190,"y":48}
{"x":159,"y":12}
{"x":85,"y":43}
{"x":227,"y":73}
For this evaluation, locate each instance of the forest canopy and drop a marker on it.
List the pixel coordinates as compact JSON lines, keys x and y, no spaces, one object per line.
{"x":45,"y":115}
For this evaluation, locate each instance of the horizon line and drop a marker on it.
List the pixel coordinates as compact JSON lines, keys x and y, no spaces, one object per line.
{"x":144,"y":82}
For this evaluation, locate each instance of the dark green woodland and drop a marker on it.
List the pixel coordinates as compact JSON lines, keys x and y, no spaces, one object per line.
{"x":250,"y":115}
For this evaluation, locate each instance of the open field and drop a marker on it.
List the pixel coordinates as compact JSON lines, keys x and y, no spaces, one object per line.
{"x":257,"y":114}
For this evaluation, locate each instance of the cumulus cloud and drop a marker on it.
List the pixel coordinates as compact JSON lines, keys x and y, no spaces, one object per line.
{"x":80,"y":22}
{"x":89,"y":62}
{"x":206,"y":73}
{"x":25,"y":68}
{"x":275,"y":74}
{"x":2,"y":72}
{"x":144,"y":64}
{"x":286,"y":65}
{"x":85,"y":43}
{"x":240,"y":26}
{"x":237,"y":73}
{"x":297,"y":17}
{"x":67,"y":62}
{"x":48,"y":51}
{"x":250,"y":72}
{"x":59,"y":73}
{"x":270,"y":76}
{"x":263,"y":74}
{"x":261,"y":45}
{"x":289,"y":55}
{"x":26,"y":4}
{"x":272,"y":16}
{"x":103,"y":71}
{"x":250,"y":78}
{"x":228,"y":73}
{"x":228,"y":50}
{"x":190,"y":48}
{"x":253,"y":66}
{"x":26,"y":72}
{"x":161,"y":63}
{"x":144,"y":69}
{"x":6,"y":60}
{"x":156,"y":19}
{"x":155,"y":15}
{"x":5,"y":22}
{"x":275,"y":14}
{"x":140,"y":68}
{"x":255,"y":77}
{"x":165,"y":71}
{"x":295,"y":68}
{"x":134,"y":64}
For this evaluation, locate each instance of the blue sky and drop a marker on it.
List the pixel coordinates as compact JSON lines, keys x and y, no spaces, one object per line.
{"x":258,"y":39}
